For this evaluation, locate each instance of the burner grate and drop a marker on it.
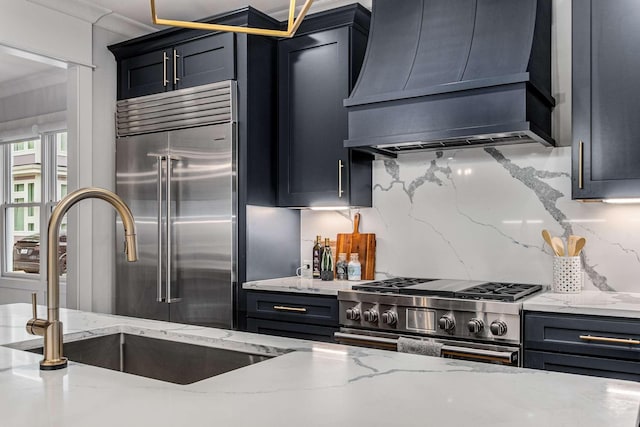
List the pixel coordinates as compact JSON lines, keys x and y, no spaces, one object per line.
{"x":499,"y":291}
{"x":389,"y":286}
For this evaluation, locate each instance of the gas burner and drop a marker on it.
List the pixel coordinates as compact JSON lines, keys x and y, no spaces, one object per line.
{"x":389,"y":286}
{"x":498,"y":291}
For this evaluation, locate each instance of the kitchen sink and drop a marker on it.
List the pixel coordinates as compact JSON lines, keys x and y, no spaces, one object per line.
{"x":171,"y":361}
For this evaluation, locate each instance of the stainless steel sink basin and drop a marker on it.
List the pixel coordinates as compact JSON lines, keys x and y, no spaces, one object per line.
{"x":164,"y":360}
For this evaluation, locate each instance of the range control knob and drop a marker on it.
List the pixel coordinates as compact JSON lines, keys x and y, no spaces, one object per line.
{"x":353,"y":314}
{"x":389,"y":317}
{"x":447,"y":323}
{"x":370,"y":315}
{"x":475,"y":325}
{"x":498,"y":328}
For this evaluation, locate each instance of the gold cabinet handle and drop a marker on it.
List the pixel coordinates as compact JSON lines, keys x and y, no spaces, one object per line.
{"x":175,"y":67}
{"x":610,"y":340}
{"x":340,"y":167}
{"x":284,"y":308}
{"x":581,"y":165}
{"x":165,"y":58}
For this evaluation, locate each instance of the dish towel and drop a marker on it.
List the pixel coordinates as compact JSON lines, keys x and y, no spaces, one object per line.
{"x":426,"y":347}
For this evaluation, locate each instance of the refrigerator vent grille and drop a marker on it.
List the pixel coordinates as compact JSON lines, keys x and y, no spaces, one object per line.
{"x":197,"y":106}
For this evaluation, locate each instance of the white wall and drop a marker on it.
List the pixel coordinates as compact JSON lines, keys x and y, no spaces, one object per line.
{"x":103,"y":159}
{"x":91,"y":275}
{"x":561,"y":71}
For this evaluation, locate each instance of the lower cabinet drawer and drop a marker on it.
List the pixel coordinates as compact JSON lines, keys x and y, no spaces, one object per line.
{"x":316,"y":310}
{"x":598,"y":336}
{"x":584,"y":365}
{"x":291,"y":330}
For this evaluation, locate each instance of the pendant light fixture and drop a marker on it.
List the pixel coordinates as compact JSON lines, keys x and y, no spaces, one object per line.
{"x":292,"y":24}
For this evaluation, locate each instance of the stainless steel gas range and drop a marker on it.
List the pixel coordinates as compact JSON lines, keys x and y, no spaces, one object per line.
{"x":472,"y":320}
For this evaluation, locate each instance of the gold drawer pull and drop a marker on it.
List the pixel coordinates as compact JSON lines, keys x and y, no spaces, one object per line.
{"x":610,"y":340}
{"x":284,"y":308}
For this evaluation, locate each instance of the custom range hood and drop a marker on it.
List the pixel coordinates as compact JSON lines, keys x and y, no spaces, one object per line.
{"x":452,"y":73}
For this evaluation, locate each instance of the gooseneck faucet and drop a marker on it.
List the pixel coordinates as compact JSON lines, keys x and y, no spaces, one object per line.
{"x":51,"y":328}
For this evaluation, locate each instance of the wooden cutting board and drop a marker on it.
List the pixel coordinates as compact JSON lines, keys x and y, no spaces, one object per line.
{"x":364,"y":244}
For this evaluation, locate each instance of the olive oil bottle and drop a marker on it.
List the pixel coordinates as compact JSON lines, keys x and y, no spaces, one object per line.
{"x":317,"y":253}
{"x":326,"y":264}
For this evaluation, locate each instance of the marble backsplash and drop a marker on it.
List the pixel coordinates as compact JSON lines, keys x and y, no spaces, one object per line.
{"x":478,"y":214}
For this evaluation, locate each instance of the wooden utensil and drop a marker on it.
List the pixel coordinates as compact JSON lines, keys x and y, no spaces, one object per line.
{"x":557,"y":245}
{"x":571,"y":244}
{"x":579,"y":245}
{"x":364,"y":244}
{"x":547,"y":238}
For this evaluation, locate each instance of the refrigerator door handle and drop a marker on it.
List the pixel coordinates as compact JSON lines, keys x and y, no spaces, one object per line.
{"x":168,"y":268}
{"x":159,"y":297}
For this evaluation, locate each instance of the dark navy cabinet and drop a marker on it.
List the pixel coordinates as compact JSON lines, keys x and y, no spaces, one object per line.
{"x":312,"y":317}
{"x":192,"y":63}
{"x":606,"y":99}
{"x":145,"y":74}
{"x":589,"y":345}
{"x":316,"y":71}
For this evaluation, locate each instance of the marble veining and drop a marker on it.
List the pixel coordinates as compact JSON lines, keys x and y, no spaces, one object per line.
{"x":478,"y":213}
{"x":549,"y":197}
{"x":299,"y":285}
{"x":315,"y":384}
{"x":614,"y":304}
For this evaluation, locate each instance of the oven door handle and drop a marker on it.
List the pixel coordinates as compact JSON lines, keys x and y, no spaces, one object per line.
{"x":467,"y":353}
{"x":362,"y":339}
{"x":508,"y":357}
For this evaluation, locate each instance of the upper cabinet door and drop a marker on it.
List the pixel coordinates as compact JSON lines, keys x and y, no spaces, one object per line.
{"x":193,"y":63}
{"x":145,"y":74}
{"x":203,"y":61}
{"x":606,"y":99}
{"x":313,"y":81}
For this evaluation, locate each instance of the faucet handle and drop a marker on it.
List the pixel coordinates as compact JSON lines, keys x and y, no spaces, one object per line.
{"x":36,"y":326}
{"x":34,"y":304}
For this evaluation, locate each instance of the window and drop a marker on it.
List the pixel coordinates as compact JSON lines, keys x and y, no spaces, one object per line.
{"x":25,"y":147}
{"x":36,"y":181}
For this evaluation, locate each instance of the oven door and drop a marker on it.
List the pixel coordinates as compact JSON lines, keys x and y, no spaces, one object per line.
{"x":452,"y":349}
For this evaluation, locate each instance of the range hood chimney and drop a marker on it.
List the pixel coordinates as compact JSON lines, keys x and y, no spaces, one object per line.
{"x":452,"y":73}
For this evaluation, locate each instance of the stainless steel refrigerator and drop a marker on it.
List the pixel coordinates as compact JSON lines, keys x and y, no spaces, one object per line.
{"x":176,"y":169}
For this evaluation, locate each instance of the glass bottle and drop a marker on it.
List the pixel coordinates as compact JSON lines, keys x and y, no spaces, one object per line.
{"x":317,"y":253}
{"x":341,"y":267}
{"x":326,"y":264}
{"x":354,"y":269}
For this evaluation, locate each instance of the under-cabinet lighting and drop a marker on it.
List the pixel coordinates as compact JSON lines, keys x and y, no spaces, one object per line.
{"x":621,"y":201}
{"x":329,"y":208}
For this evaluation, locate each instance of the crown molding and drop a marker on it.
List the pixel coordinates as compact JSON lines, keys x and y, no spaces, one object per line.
{"x":318,"y":6}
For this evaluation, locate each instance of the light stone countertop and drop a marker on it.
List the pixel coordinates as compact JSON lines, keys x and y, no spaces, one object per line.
{"x":615,"y":304}
{"x":311,"y":384}
{"x":302,"y":286}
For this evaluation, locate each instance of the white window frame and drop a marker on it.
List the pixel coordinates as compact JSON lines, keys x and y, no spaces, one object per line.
{"x":48,"y":194}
